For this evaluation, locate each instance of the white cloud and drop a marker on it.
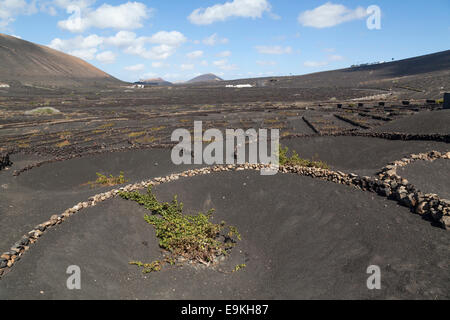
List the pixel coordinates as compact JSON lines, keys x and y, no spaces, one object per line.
{"x":330,"y":15}
{"x":335,"y":57}
{"x":220,"y":63}
{"x":165,"y":44}
{"x":82,"y":47}
{"x":127,"y":16}
{"x":236,"y":8}
{"x":214,"y":39}
{"x":187,"y":67}
{"x":9,"y":9}
{"x":204,"y":63}
{"x":48,"y":7}
{"x":224,"y":65}
{"x":274,"y":50}
{"x":149,"y":75}
{"x":224,"y":54}
{"x":122,"y":39}
{"x":330,"y":58}
{"x":85,"y":54}
{"x":160,"y":52}
{"x":172,"y":76}
{"x":106,"y":57}
{"x":159,"y":64}
{"x":195,"y":54}
{"x":64,"y":4}
{"x":172,"y":38}
{"x":135,"y":68}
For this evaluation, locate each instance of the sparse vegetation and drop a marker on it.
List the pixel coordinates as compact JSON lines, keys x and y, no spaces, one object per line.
{"x":271,"y":121}
{"x":158,"y":128}
{"x":136,"y":134}
{"x":107,"y":125}
{"x":103,"y":180}
{"x":239,"y":267}
{"x":62,"y":144}
{"x":146,"y":139}
{"x":42,"y":111}
{"x":65,"y":135}
{"x":155,"y":266}
{"x":184,"y":237}
{"x":295,"y":160}
{"x":24,"y":145}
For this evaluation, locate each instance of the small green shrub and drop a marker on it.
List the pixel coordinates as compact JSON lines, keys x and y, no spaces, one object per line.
{"x":149,"y":267}
{"x":103,"y":180}
{"x":295,"y":160}
{"x":239,"y":267}
{"x":192,"y":237}
{"x":43,"y":111}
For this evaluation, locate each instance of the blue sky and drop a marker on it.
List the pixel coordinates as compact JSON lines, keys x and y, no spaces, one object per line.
{"x":179,"y":39}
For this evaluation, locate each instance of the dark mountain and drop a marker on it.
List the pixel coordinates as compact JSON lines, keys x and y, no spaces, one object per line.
{"x":32,"y":64}
{"x":205,"y":78}
{"x":419,"y":77}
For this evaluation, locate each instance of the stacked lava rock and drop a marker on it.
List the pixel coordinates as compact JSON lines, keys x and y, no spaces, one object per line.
{"x":398,"y":188}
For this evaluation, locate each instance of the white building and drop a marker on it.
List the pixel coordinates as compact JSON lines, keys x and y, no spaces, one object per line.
{"x":240,"y":86}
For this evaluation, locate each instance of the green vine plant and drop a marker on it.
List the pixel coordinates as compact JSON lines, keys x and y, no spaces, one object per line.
{"x":295,"y":160}
{"x":183,"y":237}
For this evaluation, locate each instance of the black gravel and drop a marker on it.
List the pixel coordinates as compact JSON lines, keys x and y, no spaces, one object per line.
{"x":313,"y":242}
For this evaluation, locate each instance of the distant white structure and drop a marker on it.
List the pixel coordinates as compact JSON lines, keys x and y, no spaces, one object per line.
{"x":239,"y":86}
{"x":367,"y":64}
{"x":4,"y":85}
{"x":136,"y":86}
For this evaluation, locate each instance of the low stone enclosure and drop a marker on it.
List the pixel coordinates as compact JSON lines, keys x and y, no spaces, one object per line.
{"x":388,"y":184}
{"x":381,"y":135}
{"x":398,"y":188}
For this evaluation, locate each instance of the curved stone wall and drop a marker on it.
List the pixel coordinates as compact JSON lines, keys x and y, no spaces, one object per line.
{"x":388,"y":184}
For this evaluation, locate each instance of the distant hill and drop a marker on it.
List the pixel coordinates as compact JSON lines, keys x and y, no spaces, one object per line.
{"x":28,"y":63}
{"x":206,"y":78}
{"x":154,"y":82}
{"x":418,"y":77}
{"x":405,"y":70}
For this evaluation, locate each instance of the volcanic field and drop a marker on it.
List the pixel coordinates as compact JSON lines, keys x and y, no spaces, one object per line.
{"x":306,"y":233}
